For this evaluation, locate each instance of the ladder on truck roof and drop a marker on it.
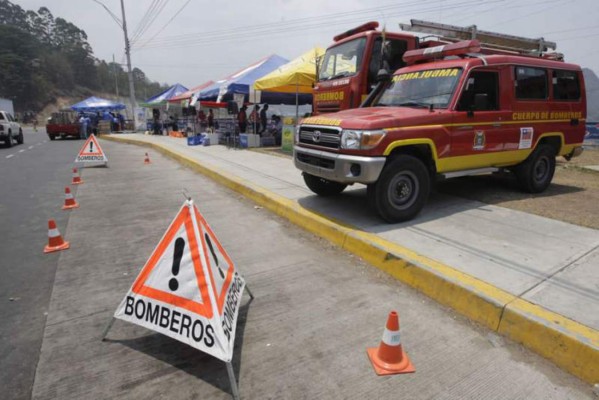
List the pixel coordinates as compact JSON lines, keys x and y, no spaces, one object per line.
{"x":490,"y":40}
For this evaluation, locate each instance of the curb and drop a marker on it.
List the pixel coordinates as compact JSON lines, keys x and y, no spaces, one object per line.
{"x":569,"y":344}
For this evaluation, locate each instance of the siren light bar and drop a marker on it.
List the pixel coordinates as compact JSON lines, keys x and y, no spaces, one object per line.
{"x":369,"y":26}
{"x":434,"y":53}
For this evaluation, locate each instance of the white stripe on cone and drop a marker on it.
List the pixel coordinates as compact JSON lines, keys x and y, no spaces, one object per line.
{"x":53,"y":233}
{"x":391,"y":338}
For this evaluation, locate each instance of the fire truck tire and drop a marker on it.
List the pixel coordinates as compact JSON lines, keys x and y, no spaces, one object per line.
{"x":402,"y":189}
{"x":323,"y":187}
{"x":535,"y":174}
{"x":52,"y":137}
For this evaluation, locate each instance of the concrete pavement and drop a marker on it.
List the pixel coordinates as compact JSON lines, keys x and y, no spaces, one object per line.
{"x":528,"y":277}
{"x":305,"y":334}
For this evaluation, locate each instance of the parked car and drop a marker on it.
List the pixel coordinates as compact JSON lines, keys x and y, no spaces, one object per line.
{"x":10,"y":129}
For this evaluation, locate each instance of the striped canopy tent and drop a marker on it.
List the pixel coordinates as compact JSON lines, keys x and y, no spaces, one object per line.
{"x":184,"y":99}
{"x":162,"y":98}
{"x":241,"y":82}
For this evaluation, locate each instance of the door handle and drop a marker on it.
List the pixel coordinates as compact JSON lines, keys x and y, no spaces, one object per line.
{"x":574,"y":121}
{"x":497,"y":125}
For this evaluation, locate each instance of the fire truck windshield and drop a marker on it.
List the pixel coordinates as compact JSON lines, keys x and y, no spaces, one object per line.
{"x":421,"y":89}
{"x":343,"y":60}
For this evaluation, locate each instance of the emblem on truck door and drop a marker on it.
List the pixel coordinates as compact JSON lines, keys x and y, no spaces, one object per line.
{"x":316,"y":136}
{"x":479,"y":140}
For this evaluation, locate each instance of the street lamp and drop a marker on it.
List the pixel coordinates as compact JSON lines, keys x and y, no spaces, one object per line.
{"x":123,"y":25}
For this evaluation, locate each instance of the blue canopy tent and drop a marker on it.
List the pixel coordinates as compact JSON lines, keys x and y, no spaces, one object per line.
{"x":162,"y":98}
{"x":241,"y":81}
{"x":96,"y":104}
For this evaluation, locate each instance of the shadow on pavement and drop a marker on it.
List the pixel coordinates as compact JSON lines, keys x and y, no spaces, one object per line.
{"x":185,"y":358}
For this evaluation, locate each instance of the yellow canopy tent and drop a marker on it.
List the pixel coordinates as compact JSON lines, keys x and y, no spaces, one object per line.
{"x":297,"y":76}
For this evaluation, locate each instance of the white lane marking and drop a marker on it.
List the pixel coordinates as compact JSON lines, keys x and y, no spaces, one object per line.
{"x":30,"y":147}
{"x":9,"y":156}
{"x":20,"y":151}
{"x":39,"y":143}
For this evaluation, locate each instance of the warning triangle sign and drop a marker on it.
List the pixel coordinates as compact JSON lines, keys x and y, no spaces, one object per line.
{"x":189,"y":288}
{"x":91,"y":151}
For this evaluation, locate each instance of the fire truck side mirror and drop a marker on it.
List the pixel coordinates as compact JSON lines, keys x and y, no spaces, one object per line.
{"x":383,"y":75}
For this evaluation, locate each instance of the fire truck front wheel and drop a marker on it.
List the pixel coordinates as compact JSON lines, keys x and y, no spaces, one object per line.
{"x":323,"y":187}
{"x":402,"y":189}
{"x":535,"y":174}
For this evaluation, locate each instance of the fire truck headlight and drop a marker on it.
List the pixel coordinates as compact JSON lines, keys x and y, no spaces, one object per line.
{"x":351,"y":139}
{"x":371,"y":139}
{"x":361,"y":140}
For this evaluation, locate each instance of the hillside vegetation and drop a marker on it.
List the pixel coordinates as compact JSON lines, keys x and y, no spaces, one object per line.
{"x":43,"y":58}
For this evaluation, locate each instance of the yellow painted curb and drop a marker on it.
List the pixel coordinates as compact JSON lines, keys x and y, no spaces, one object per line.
{"x":572,"y":346}
{"x":569,"y":344}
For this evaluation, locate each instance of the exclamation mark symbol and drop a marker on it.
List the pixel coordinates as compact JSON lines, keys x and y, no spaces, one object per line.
{"x":91,"y":146}
{"x":173,"y":284}
{"x":220,"y":271}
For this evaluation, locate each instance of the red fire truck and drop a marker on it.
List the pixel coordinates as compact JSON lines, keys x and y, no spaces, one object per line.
{"x":452,"y":111}
{"x":349,"y":68}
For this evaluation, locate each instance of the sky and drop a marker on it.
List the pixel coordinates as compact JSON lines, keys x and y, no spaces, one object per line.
{"x":192,"y":41}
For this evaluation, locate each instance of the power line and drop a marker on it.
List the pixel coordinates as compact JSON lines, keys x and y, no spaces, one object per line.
{"x":144,"y":19}
{"x":289,"y":26}
{"x":151,"y":20}
{"x":168,"y":22}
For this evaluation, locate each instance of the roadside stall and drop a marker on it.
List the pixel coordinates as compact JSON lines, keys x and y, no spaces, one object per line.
{"x":162,"y":117}
{"x":297,"y":77}
{"x":234,"y":90}
{"x":99,"y":109}
{"x":183,"y":106}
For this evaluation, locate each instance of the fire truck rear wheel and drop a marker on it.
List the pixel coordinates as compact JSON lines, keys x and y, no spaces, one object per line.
{"x":402,"y":189}
{"x":535,"y":174}
{"x":323,"y":187}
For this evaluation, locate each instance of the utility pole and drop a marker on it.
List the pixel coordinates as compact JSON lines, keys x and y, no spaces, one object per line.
{"x":116,"y":78}
{"x":128,"y":52}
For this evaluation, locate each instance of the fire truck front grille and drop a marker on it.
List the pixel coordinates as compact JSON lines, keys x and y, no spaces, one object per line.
{"x":316,"y":161}
{"x":328,"y":108}
{"x":328,"y":137}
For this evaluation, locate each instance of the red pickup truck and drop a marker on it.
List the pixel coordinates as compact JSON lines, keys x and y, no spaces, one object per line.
{"x":63,"y":124}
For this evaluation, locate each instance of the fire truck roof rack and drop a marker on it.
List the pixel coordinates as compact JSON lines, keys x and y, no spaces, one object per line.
{"x":489,"y":40}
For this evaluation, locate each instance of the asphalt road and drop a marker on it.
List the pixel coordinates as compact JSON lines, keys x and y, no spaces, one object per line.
{"x":305,"y":334}
{"x":33,"y":177}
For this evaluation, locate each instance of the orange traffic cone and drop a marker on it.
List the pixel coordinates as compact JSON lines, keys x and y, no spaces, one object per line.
{"x":390,"y":358}
{"x":69,"y":200}
{"x":55,"y":242}
{"x":76,"y":178}
{"x":147,"y":159}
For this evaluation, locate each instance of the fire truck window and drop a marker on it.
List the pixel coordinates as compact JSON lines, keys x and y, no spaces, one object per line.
{"x":480,"y":82}
{"x":395,"y":49}
{"x":531,"y":83}
{"x":566,"y":85}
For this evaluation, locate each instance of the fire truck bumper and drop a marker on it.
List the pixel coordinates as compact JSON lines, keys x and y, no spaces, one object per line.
{"x":338,"y":167}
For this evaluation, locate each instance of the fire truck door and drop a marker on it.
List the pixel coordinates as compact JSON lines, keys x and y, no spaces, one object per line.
{"x":479,"y":125}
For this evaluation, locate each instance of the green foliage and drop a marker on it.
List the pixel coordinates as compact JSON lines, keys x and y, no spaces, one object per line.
{"x":42,"y":57}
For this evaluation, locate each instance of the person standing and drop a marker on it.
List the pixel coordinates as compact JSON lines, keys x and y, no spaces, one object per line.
{"x":82,"y":126}
{"x":254,"y":118}
{"x":263,"y":119}
{"x":242,"y":119}
{"x":210,"y":121}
